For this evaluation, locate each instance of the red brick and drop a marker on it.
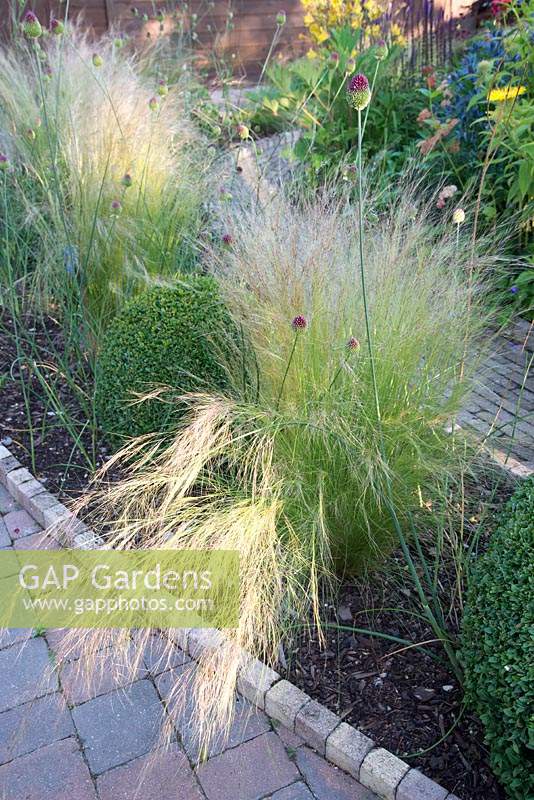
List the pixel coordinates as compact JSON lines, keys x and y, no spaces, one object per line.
{"x":54,"y":772}
{"x":162,"y":775}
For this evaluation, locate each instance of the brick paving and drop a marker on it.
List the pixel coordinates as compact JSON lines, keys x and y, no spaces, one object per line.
{"x":502,"y":404}
{"x":63,"y":737}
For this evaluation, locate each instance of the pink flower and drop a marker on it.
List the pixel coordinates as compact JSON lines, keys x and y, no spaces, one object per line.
{"x":228,"y":239}
{"x":116,"y":205}
{"x":299,"y":323}
{"x":353,"y":344}
{"x":358,"y":92}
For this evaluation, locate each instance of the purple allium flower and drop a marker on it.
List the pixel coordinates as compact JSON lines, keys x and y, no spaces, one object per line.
{"x":381,"y":50}
{"x":358,"y":92}
{"x":4,"y":161}
{"x":153,"y":104}
{"x":514,"y":289}
{"x":31,"y":25}
{"x":334,"y":58}
{"x":30,"y":133}
{"x":97,"y":60}
{"x":56,"y":27}
{"x":353,"y":344}
{"x":242,"y":131}
{"x":126,"y":180}
{"x":163,"y":89}
{"x":350,"y":66}
{"x":116,"y":205}
{"x":228,"y":239}
{"x":299,"y":323}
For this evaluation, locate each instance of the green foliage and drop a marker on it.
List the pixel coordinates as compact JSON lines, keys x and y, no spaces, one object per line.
{"x":166,"y":337}
{"x":482,"y":142}
{"x":311,"y":94}
{"x":497,"y":645}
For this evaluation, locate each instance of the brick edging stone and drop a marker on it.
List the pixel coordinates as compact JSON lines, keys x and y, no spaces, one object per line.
{"x":343,"y":745}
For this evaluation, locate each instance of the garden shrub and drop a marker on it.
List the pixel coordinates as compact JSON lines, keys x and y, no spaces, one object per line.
{"x":497,"y":645}
{"x":165,"y":337}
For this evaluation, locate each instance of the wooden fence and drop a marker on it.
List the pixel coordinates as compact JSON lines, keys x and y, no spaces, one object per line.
{"x":245,"y":36}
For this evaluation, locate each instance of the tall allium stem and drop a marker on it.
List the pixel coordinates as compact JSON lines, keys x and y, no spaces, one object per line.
{"x":438,"y":630}
{"x":362,"y":273}
{"x":299,"y":324}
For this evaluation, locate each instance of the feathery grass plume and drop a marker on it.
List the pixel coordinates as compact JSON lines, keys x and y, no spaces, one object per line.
{"x":287,"y":469}
{"x":96,"y":128}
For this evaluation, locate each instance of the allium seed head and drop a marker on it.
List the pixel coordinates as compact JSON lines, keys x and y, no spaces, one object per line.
{"x":31,"y":25}
{"x":163,"y":89}
{"x":299,"y":323}
{"x":97,"y":60}
{"x":381,"y":50}
{"x":353,"y":344}
{"x":458,"y":216}
{"x":358,"y":92}
{"x":56,"y":27}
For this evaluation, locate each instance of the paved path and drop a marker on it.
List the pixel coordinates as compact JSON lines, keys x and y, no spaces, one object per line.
{"x":61,"y":739}
{"x":502,"y":405}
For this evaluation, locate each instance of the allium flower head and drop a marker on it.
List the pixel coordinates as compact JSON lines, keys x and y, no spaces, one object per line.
{"x":353,"y":344}
{"x":381,"y":50}
{"x":350,"y":66}
{"x":30,"y":133}
{"x":163,"y":89}
{"x":334,"y":58}
{"x":4,"y":161}
{"x":458,"y":216}
{"x":56,"y":27}
{"x":153,"y":104}
{"x":281,"y":18}
{"x":228,"y":239}
{"x":97,"y":60}
{"x":243,"y":131}
{"x":116,"y":205}
{"x":126,"y":180}
{"x":299,"y":323}
{"x":358,"y":92}
{"x":31,"y":25}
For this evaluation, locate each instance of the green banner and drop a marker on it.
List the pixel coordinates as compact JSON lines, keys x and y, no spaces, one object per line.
{"x":107,"y":588}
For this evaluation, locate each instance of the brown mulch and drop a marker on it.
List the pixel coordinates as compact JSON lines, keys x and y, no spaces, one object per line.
{"x":32,"y":428}
{"x":407,"y":700}
{"x":404,"y":699}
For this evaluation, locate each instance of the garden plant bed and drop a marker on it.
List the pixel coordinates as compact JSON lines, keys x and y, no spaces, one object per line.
{"x":407,"y":702}
{"x":58,"y":461}
{"x":395,"y":698}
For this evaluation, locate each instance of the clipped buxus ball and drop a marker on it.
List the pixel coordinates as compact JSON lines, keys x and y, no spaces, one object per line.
{"x":498,"y":645}
{"x":173,"y":337}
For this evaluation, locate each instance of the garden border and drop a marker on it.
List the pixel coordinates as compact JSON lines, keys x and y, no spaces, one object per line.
{"x":340,"y":743}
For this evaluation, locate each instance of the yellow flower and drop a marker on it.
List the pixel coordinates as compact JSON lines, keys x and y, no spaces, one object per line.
{"x":311,"y":54}
{"x":507,"y":93}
